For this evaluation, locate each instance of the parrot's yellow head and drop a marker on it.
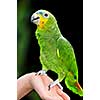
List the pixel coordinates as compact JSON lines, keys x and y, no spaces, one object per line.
{"x":43,"y":18}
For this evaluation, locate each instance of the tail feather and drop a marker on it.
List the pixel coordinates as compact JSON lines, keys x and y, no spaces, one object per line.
{"x":74,"y":87}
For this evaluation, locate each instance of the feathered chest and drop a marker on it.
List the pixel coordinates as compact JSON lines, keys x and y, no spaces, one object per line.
{"x":47,"y":41}
{"x":48,"y":45}
{"x":48,"y":54}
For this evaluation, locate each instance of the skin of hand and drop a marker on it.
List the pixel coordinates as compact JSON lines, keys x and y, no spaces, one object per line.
{"x":39,"y":83}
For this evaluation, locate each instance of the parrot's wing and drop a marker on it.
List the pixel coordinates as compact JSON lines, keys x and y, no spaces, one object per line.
{"x":65,"y":53}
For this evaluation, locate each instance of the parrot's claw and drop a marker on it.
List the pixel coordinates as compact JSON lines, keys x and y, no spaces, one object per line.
{"x":55,"y":83}
{"x":41,"y":72}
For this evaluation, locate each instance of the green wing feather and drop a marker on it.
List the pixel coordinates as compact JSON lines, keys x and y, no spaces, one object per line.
{"x":66,"y":54}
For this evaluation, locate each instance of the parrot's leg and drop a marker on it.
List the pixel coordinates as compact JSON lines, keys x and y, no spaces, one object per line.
{"x":56,"y":82}
{"x":41,"y":72}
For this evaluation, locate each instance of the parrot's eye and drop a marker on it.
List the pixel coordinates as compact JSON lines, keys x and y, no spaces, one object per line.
{"x":46,"y":15}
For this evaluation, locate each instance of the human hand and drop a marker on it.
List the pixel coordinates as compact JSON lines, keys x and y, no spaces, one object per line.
{"x":39,"y":83}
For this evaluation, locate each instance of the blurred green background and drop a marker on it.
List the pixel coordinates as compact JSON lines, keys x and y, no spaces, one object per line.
{"x":69,"y":15}
{"x":24,"y":42}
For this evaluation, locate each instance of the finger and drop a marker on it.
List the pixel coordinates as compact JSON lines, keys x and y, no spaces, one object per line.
{"x":63,"y":95}
{"x":53,"y":95}
{"x":53,"y":98}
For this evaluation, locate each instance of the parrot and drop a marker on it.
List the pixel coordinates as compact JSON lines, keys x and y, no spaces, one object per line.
{"x":56,"y":52}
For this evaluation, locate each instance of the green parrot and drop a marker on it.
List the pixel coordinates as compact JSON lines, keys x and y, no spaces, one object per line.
{"x":56,"y":53}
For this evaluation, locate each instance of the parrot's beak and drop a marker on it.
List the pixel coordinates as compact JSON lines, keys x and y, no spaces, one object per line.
{"x":35,"y":19}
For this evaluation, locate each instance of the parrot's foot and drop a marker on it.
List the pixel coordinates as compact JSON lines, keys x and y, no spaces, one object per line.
{"x":41,"y":72}
{"x":56,"y":82}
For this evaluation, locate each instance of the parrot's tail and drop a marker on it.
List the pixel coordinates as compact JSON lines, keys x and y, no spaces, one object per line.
{"x":74,"y":86}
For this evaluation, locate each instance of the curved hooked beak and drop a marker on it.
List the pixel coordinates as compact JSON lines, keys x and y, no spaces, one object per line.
{"x":35,"y":19}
